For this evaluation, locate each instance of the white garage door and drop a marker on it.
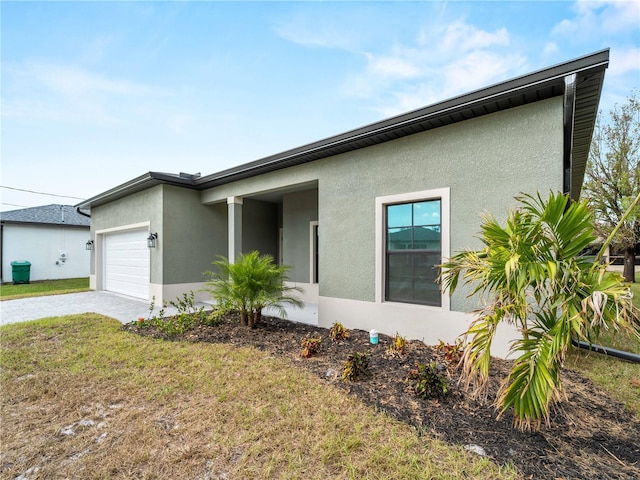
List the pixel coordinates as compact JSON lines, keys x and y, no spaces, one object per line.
{"x":126,"y":263}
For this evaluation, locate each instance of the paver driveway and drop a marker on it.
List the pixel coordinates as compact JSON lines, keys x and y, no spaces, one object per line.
{"x":119,"y":307}
{"x":125,"y":309}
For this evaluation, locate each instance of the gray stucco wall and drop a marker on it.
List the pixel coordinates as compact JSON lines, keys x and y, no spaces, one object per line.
{"x":485,"y":162}
{"x":192,"y":237}
{"x":298,"y":209}
{"x":260,"y":227}
{"x":140,"y":207}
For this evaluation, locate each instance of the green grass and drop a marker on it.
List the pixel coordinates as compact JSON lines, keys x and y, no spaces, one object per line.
{"x":9,"y":291}
{"x":192,"y":410}
{"x":619,"y":378}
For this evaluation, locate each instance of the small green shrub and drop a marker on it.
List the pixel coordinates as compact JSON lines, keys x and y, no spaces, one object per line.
{"x":310,"y":346}
{"x":356,"y":366}
{"x":187,"y":315}
{"x":426,"y":382}
{"x":338,"y":332}
{"x":154,"y":318}
{"x":187,"y":306}
{"x":398,"y":346}
{"x":172,"y":326}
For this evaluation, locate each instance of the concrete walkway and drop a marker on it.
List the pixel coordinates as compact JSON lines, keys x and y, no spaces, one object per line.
{"x":120,"y":307}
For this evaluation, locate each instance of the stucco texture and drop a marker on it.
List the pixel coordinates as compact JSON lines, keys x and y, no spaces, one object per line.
{"x":194,"y":235}
{"x":485,"y":162}
{"x":190,"y":235}
{"x":298,"y":210}
{"x":134,"y":209}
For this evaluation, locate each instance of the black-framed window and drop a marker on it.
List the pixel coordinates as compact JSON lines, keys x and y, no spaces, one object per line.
{"x":413,"y":250}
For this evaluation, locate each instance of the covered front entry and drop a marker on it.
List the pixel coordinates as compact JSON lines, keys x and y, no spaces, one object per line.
{"x":282,"y":222}
{"x":126,"y":265}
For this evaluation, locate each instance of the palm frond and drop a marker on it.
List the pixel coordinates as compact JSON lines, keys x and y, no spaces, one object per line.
{"x":534,"y":383}
{"x":252,"y":283}
{"x":530,"y":274}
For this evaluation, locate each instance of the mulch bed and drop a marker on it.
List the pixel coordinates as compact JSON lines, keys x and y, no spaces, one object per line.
{"x":591,"y":437}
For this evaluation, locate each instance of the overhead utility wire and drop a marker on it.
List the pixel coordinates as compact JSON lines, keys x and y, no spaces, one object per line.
{"x":40,"y":193}
{"x":13,"y":205}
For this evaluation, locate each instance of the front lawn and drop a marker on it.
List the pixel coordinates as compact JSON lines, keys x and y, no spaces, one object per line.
{"x":84,"y":399}
{"x":8,"y":291}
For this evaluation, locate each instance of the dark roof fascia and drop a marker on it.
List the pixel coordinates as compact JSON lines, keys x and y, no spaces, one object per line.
{"x":588,"y":90}
{"x":379,"y":132}
{"x":540,"y":85}
{"x":143,"y":182}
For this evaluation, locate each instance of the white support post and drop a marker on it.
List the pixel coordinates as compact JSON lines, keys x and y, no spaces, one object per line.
{"x":234,"y":227}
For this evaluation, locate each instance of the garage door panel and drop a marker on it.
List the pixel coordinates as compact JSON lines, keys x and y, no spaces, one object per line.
{"x":126,"y":263}
{"x":129,"y":263}
{"x":120,"y":271}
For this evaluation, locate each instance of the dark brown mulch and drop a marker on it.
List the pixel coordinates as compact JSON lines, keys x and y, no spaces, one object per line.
{"x":591,"y":437}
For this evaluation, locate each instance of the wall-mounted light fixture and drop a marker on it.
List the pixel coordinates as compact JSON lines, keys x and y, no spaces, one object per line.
{"x":151,"y":240}
{"x":89,"y":245}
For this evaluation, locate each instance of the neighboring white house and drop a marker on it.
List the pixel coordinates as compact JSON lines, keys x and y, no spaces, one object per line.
{"x":52,"y":237}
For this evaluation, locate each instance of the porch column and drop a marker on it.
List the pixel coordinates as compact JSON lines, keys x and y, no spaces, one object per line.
{"x":234,"y":227}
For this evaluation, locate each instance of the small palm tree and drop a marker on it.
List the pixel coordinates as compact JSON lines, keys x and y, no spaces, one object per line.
{"x":251,"y":283}
{"x":531,"y":274}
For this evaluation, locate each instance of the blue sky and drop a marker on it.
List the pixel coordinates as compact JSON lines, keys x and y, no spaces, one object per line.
{"x":97,"y":93}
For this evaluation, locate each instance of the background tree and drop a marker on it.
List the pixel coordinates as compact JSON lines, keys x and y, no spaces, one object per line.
{"x":613,"y":178}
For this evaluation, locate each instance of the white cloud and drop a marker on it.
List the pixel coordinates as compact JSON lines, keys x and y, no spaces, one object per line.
{"x":392,"y":66}
{"x":605,"y":17}
{"x":462,"y":37}
{"x":460,"y":58}
{"x":442,"y":59}
{"x":479,"y":69}
{"x":73,"y":80}
{"x":311,"y":30}
{"x":472,"y":71}
{"x":550,"y":48}
{"x":65,"y":92}
{"x":565,"y":27}
{"x":313,"y":37}
{"x":624,"y":60}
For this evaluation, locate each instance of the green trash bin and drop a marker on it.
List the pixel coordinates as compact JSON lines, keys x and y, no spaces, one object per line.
{"x":21,"y":271}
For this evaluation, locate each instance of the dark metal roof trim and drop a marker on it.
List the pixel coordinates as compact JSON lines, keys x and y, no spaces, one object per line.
{"x":568,"y":123}
{"x":539,"y":85}
{"x":536,"y":86}
{"x":148,"y":180}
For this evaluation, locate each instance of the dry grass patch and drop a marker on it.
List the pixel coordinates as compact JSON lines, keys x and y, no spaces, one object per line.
{"x":83,"y":399}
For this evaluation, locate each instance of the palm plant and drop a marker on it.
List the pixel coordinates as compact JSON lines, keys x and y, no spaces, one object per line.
{"x":250,"y":284}
{"x":530,"y":274}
